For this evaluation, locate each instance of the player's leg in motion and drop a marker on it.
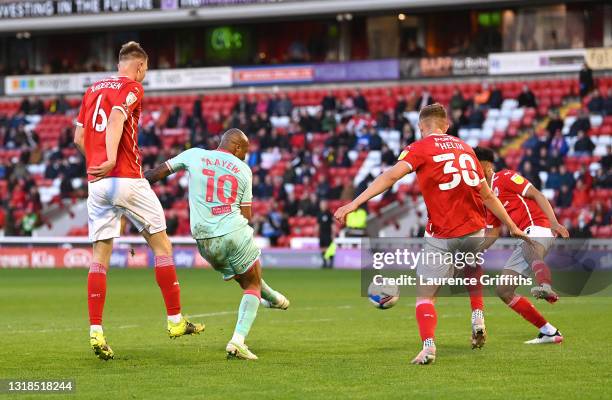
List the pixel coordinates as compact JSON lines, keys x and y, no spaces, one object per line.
{"x":523,"y":307}
{"x":427,"y":319}
{"x":479,"y":332}
{"x":270,"y":298}
{"x":251,"y":283}
{"x":96,"y":296}
{"x":165,"y":275}
{"x":534,"y":255}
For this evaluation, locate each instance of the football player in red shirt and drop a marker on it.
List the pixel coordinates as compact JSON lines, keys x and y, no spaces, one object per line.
{"x":107,"y":134}
{"x":532,"y":212}
{"x":455,"y":193}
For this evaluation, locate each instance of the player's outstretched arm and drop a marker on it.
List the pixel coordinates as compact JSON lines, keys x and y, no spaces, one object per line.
{"x":79,"y":139}
{"x":114,"y":130}
{"x":491,"y":235}
{"x":158,"y":173}
{"x":383,"y":182}
{"x":538,"y":197}
{"x":495,"y":206}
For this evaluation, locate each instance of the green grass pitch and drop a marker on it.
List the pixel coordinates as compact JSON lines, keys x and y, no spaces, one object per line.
{"x":331,"y":343}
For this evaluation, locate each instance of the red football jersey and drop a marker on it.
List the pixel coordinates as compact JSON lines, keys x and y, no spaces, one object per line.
{"x":101,"y":98}
{"x":510,"y":188}
{"x":449,"y":177}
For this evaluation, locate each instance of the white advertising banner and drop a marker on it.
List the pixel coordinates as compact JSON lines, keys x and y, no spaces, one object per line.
{"x":531,"y":62}
{"x":168,"y":79}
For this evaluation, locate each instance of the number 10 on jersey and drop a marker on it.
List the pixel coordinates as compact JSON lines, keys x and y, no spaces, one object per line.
{"x":219,"y":183}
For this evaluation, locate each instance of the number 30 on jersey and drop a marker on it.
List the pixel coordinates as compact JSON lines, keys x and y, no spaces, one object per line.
{"x":467,"y":165}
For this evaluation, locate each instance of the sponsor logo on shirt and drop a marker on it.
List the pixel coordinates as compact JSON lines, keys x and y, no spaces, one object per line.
{"x":516,"y":178}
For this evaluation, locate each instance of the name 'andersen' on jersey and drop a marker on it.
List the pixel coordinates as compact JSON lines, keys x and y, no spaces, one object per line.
{"x":115,"y":93}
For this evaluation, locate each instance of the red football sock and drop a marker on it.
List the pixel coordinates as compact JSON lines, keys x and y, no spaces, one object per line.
{"x":541,"y":272}
{"x":475,"y":291}
{"x":426,"y":318}
{"x":527,"y":310}
{"x":96,"y":292}
{"x":165,"y":274}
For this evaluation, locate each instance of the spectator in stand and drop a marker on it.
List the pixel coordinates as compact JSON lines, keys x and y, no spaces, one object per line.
{"x":25,"y":106}
{"x":603,"y":179}
{"x":323,"y":187}
{"x":554,"y":179}
{"x":387,"y":156}
{"x":581,"y":196}
{"x":529,"y":172}
{"x":555,"y":123}
{"x":495,"y":98}
{"x":283,"y":106}
{"x":59,"y":105}
{"x":608,"y":103}
{"x":325,"y":219}
{"x":558,"y":144}
{"x":37,"y":107}
{"x":584,"y":146}
{"x":585,"y":176}
{"x":329,"y":102}
{"x":411,"y":101}
{"x":554,"y":158}
{"x":265,"y":189}
{"x":401,"y":106}
{"x":309,"y":204}
{"x":375,"y":142}
{"x":457,"y":102}
{"x":567,"y":178}
{"x":10,"y":224}
{"x":585,"y":79}
{"x":243,"y":105}
{"x":564,"y":197}
{"x":424,"y":100}
{"x":582,"y":123}
{"x":541,"y":162}
{"x":273,"y":226}
{"x":483,"y":96}
{"x":174,"y":118}
{"x":66,"y":188}
{"x":360,"y":101}
{"x":413,"y":49}
{"x":526,"y":98}
{"x":475,"y":117}
{"x":596,"y":103}
{"x":606,"y":161}
{"x":278,"y":189}
{"x":197,"y":112}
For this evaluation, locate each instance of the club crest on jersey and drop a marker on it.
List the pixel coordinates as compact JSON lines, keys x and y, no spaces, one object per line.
{"x":130,"y":99}
{"x":403,"y":154}
{"x":516,"y":178}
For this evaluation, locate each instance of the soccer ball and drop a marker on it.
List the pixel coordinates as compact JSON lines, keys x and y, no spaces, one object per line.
{"x":383,"y":296}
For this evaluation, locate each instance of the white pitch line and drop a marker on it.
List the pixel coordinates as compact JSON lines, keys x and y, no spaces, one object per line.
{"x":212,"y":314}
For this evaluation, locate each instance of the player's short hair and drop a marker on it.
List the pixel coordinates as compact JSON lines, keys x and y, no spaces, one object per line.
{"x":433,"y":111}
{"x":484,"y":154}
{"x":132,"y":50}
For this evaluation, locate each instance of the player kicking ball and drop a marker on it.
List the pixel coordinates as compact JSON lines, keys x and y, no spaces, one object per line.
{"x":106,"y":133}
{"x":455,"y":193}
{"x":220,"y":196}
{"x":532,"y":213}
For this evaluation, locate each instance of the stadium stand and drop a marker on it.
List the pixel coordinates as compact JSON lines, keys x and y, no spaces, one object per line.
{"x":310,"y":145}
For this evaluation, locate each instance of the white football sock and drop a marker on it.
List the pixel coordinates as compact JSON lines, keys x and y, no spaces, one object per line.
{"x":238,"y":338}
{"x":548,"y":329}
{"x":477,"y":314}
{"x":95,"y":328}
{"x":175,"y":319}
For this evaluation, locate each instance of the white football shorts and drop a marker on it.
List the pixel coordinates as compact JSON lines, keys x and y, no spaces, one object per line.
{"x":111,"y":198}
